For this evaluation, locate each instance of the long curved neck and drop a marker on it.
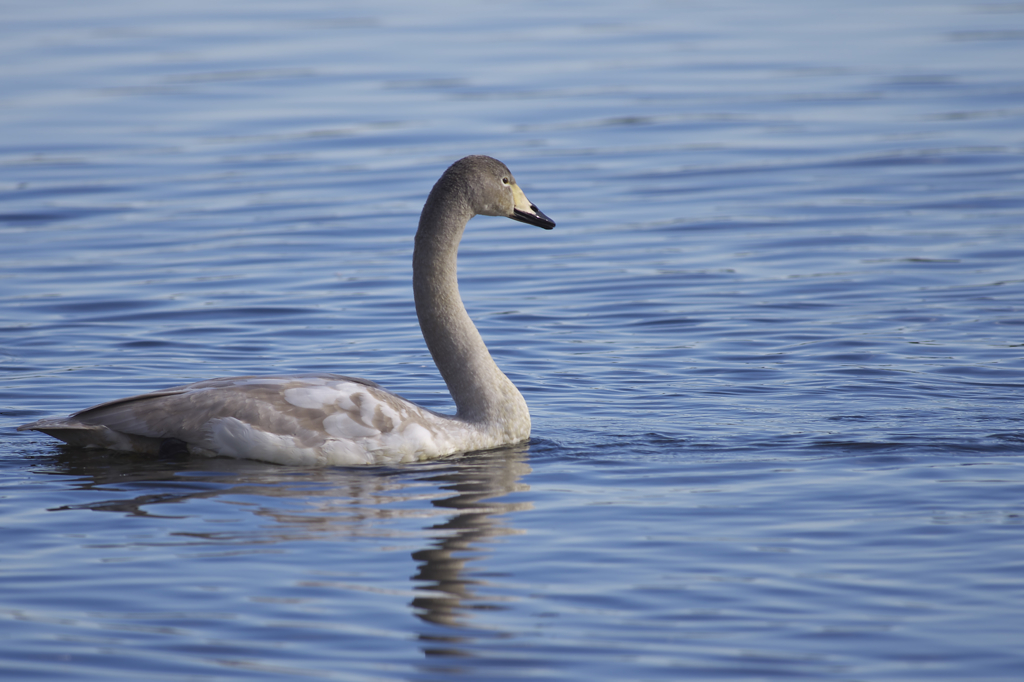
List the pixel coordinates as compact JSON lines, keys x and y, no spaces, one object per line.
{"x":483,"y":394}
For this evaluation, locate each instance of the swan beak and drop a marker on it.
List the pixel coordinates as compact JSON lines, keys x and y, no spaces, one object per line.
{"x":528,"y":213}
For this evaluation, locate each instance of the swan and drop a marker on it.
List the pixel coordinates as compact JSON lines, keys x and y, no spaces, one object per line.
{"x":329,"y":419}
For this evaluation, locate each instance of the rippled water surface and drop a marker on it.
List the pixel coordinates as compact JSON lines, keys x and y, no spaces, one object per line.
{"x":774,"y":350}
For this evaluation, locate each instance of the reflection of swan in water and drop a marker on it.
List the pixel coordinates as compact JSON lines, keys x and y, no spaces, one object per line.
{"x":442,"y":566}
{"x":327,"y":419}
{"x":314,"y":505}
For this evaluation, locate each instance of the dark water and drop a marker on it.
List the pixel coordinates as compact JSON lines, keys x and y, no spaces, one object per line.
{"x":774,"y":350}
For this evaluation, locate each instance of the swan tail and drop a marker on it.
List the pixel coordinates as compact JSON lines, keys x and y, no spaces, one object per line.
{"x":78,"y":434}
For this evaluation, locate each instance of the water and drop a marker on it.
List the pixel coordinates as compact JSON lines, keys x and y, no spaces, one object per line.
{"x":774,"y":350}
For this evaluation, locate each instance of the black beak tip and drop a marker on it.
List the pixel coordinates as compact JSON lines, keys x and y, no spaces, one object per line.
{"x":536,"y":218}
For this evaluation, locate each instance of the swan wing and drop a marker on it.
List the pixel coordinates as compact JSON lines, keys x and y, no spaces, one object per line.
{"x":304,"y":419}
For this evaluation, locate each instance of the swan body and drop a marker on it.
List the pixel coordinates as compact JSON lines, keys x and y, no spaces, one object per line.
{"x":329,"y":419}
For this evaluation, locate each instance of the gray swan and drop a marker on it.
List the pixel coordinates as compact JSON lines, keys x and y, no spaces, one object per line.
{"x":328,"y":419}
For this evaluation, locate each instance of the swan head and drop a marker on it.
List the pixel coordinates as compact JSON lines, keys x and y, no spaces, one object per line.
{"x":493,"y":191}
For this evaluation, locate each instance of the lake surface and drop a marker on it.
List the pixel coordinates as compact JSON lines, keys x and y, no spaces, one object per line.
{"x":773,"y":350}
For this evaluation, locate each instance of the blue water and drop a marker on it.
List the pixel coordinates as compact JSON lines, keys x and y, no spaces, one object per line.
{"x":773,"y":350}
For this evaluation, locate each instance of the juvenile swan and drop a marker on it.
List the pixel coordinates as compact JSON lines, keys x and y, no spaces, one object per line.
{"x":327,"y":419}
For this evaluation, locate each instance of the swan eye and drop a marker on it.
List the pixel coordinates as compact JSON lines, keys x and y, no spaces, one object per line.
{"x":504,"y":181}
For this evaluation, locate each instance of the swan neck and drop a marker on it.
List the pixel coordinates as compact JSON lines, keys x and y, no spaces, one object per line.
{"x":482,"y":393}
